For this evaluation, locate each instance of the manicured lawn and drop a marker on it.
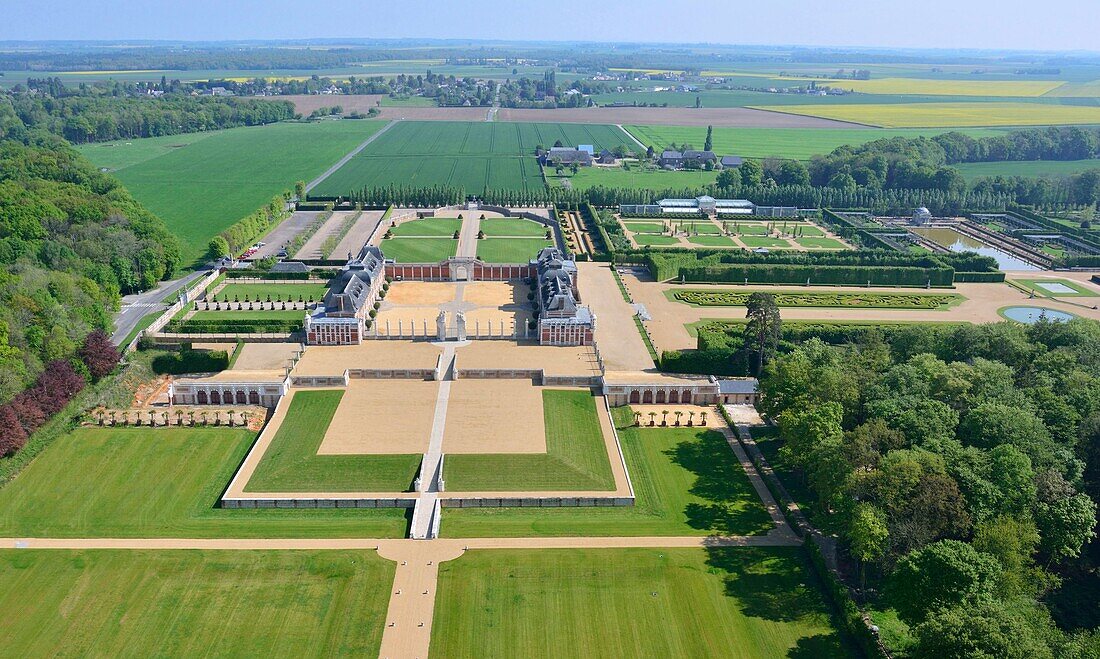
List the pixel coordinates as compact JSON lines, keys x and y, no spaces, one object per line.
{"x":428,"y":227}
{"x":419,"y":250}
{"x":277,"y":292}
{"x":728,"y":298}
{"x":1056,"y":287}
{"x":712,"y":241}
{"x":125,"y":603}
{"x":510,"y":250}
{"x":656,"y":240}
{"x":202,"y":185}
{"x":820,"y":243}
{"x":575,"y":458}
{"x":762,"y":241}
{"x":512,"y":227}
{"x":291,"y":463}
{"x":745,"y":229}
{"x":686,"y":482}
{"x":163,"y":482}
{"x":720,"y":602}
{"x":805,"y":230}
{"x":706,"y":228}
{"x":645,"y":227}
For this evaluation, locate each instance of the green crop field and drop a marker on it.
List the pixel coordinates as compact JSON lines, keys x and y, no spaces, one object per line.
{"x":126,"y":603}
{"x":473,"y":155}
{"x":274,"y":291}
{"x":634,"y":178}
{"x":686,"y":482}
{"x":727,"y":602}
{"x":1027,"y":168}
{"x":419,"y":250}
{"x":790,"y":143}
{"x":291,"y":462}
{"x":575,"y":458}
{"x":510,"y":250}
{"x":934,"y":115}
{"x":727,"y":298}
{"x":512,"y":227}
{"x":201,"y":185}
{"x":428,"y":227}
{"x":162,"y":482}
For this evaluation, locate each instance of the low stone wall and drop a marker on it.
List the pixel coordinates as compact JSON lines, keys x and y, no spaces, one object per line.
{"x":391,"y":373}
{"x":319,"y":380}
{"x":498,"y":374}
{"x":318,"y":503}
{"x":572,"y":381}
{"x":536,"y":502}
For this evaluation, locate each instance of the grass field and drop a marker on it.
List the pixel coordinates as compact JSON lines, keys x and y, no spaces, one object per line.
{"x":245,"y":292}
{"x":820,"y":243}
{"x":512,"y":227}
{"x":575,"y":458}
{"x":1027,"y":168}
{"x":202,"y":184}
{"x":655,"y":239}
{"x":245,"y":314}
{"x":686,"y":482}
{"x":729,"y":298}
{"x":728,"y":602}
{"x":291,"y":463}
{"x":428,"y":227}
{"x":115,"y":603}
{"x":645,"y":227}
{"x":764,"y":241}
{"x":635,"y":178}
{"x":790,"y":143}
{"x":144,"y":482}
{"x":934,"y":115}
{"x":510,"y":250}
{"x":1037,"y":285}
{"x":473,"y":155}
{"x":712,"y":241}
{"x":419,"y":250}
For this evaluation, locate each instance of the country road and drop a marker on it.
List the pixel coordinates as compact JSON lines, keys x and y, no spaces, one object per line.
{"x":137,"y":306}
{"x":340,"y":163}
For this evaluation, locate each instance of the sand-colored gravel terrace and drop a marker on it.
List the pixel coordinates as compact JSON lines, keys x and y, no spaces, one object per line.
{"x":495,"y":416}
{"x":382,"y":417}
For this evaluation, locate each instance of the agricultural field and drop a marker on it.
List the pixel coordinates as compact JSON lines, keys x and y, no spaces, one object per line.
{"x":902,"y":86}
{"x":949,"y":115}
{"x":634,"y":178}
{"x":1027,"y":168}
{"x":744,"y":602}
{"x":472,"y":155}
{"x":291,"y":462}
{"x":419,"y":250}
{"x":159,"y":483}
{"x":575,"y":458}
{"x":193,"y":603}
{"x":728,"y":298}
{"x":789,"y":143}
{"x":510,"y":250}
{"x":687,"y":481}
{"x":200,"y":185}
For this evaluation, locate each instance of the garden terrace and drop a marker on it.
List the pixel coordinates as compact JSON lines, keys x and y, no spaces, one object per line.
{"x":711,"y":298}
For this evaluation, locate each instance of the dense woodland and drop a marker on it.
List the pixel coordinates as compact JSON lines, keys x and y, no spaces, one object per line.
{"x":72,"y":241}
{"x":960,"y":467}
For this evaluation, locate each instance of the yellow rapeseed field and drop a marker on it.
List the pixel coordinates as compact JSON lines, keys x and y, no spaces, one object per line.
{"x":948,"y":115}
{"x":929,"y":87}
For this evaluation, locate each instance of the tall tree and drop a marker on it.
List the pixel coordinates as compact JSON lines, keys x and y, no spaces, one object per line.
{"x":763,"y":329}
{"x":709,"y":143}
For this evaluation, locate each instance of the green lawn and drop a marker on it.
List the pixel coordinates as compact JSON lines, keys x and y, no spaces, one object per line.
{"x":144,"y":482}
{"x":575,"y":458}
{"x":419,"y":250}
{"x":244,"y":314}
{"x":806,"y":230}
{"x":202,"y":184}
{"x":428,"y":227}
{"x":1077,"y":290}
{"x":645,"y":227}
{"x":126,"y":603}
{"x":686,"y":482}
{"x":510,"y":250}
{"x":706,"y":228}
{"x":291,"y":463}
{"x":274,"y":291}
{"x":820,"y":243}
{"x":719,"y":602}
{"x":655,"y":239}
{"x":745,"y":229}
{"x":512,"y":227}
{"x":763,"y":241}
{"x":712,"y":241}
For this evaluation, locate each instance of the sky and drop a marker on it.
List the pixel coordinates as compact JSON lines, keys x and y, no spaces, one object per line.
{"x":982,"y":24}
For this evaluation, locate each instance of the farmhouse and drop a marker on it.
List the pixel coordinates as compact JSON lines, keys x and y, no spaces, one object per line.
{"x":563,"y":155}
{"x":731,"y":161}
{"x":563,"y":321}
{"x":686,"y":160}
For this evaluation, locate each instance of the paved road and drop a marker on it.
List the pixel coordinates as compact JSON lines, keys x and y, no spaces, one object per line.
{"x":137,"y":306}
{"x":340,"y":163}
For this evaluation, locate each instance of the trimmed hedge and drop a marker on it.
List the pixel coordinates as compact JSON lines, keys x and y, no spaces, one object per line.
{"x":835,"y":275}
{"x":246,"y":326}
{"x":978,"y":277}
{"x":190,"y":361}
